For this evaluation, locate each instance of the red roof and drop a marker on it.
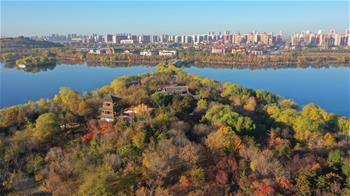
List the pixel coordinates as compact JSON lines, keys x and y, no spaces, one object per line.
{"x":219,"y":47}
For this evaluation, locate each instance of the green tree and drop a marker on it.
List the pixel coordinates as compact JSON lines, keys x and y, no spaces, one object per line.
{"x":343,"y":125}
{"x":139,"y":139}
{"x":266,"y":97}
{"x":223,"y":115}
{"x":159,"y":99}
{"x":198,"y":174}
{"x":183,"y":105}
{"x":334,"y":158}
{"x":46,"y":126}
{"x":346,"y":167}
{"x":202,"y":104}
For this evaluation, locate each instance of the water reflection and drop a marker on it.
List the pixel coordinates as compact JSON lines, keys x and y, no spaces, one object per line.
{"x":43,"y":68}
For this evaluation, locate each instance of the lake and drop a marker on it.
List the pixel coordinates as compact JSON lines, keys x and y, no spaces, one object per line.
{"x":327,"y":87}
{"x":19,"y":86}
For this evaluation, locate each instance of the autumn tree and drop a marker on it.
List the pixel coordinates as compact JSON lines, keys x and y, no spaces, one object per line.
{"x":161,"y":159}
{"x":12,"y":116}
{"x":223,"y":140}
{"x":68,"y":99}
{"x":192,"y":153}
{"x":250,"y":104}
{"x":105,"y":182}
{"x":139,"y":139}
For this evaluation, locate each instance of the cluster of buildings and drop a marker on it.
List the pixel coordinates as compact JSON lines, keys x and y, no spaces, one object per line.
{"x":210,"y":37}
{"x":69,"y":38}
{"x":252,"y":38}
{"x":168,"y":53}
{"x":320,"y":39}
{"x":243,"y":49}
{"x":256,"y":43}
{"x":110,"y":50}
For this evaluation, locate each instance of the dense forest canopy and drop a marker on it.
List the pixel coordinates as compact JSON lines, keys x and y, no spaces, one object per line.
{"x":217,"y":139}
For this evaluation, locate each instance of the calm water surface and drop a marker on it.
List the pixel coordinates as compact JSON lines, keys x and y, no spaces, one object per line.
{"x":327,"y":87}
{"x":18,"y":86}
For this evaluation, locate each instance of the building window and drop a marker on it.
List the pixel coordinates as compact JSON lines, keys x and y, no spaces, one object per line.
{"x":106,"y":112}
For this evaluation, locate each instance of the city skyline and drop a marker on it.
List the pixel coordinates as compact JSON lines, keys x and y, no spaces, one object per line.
{"x":222,"y":32}
{"x":37,"y":18}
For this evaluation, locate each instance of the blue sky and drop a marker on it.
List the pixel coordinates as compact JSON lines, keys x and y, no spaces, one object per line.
{"x":179,"y":17}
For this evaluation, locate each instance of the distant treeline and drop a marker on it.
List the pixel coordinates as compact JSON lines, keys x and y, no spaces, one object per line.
{"x":120,"y":57}
{"x":20,"y":44}
{"x":289,"y":58}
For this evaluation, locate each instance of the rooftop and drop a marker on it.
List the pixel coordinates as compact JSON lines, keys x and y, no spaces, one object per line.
{"x":111,"y":98}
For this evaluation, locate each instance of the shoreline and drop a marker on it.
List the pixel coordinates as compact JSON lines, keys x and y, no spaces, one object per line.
{"x":183,"y":67}
{"x":184,"y":64}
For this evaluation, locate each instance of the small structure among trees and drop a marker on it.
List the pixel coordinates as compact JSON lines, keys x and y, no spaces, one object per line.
{"x":109,"y":108}
{"x":181,"y":90}
{"x":141,"y":109}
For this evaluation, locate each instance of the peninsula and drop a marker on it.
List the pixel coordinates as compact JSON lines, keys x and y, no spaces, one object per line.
{"x":172,"y":133}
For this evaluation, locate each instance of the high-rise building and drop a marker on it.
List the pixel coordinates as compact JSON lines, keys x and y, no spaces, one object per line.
{"x":171,"y":38}
{"x":164,"y":38}
{"x":117,"y":38}
{"x":337,"y":39}
{"x":257,"y":38}
{"x":177,"y":39}
{"x":294,"y":40}
{"x":264,"y":38}
{"x":250,"y":38}
{"x":144,"y":39}
{"x":108,"y":38}
{"x":183,"y":38}
{"x":154,"y":38}
{"x":227,"y":37}
{"x":312,"y":42}
{"x":237,"y":38}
